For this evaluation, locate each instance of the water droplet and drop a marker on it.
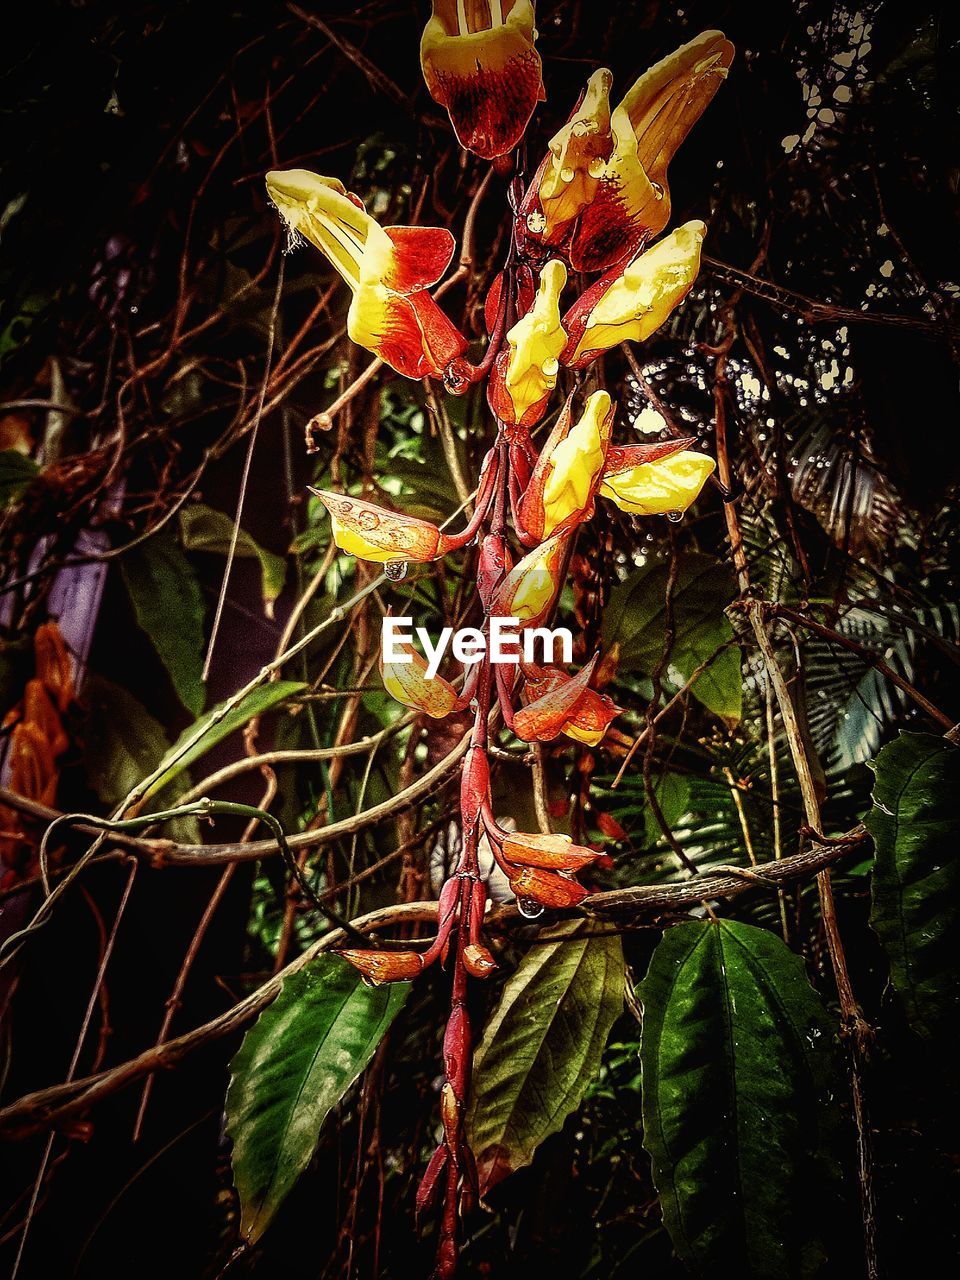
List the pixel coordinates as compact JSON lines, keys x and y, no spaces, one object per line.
{"x":566,"y":174}
{"x":368,"y":520}
{"x":529,"y":908}
{"x":674,"y":516}
{"x":536,"y":223}
{"x":396,"y":570}
{"x":596,"y":167}
{"x":550,"y":368}
{"x":657,"y":190}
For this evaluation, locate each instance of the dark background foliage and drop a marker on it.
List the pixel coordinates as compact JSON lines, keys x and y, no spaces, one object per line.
{"x":138,"y":268}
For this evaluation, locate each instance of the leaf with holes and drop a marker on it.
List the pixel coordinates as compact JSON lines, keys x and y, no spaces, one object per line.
{"x":737,"y":1057}
{"x":295,"y":1064}
{"x":916,"y":877}
{"x":635,"y":621}
{"x":542,"y":1047}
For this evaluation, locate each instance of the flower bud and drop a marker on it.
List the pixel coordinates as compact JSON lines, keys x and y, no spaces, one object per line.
{"x":373,"y":533}
{"x":378,"y":967}
{"x":410,"y":685}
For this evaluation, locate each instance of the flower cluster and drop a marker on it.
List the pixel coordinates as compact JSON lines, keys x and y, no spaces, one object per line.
{"x":596,"y":204}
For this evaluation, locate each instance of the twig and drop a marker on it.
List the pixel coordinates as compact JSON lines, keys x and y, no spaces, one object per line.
{"x":35,"y":1112}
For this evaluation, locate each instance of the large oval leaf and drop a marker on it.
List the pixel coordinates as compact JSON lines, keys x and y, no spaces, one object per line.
{"x":916,"y":878}
{"x":542,"y":1046}
{"x":296,"y":1062}
{"x":738,"y":1081}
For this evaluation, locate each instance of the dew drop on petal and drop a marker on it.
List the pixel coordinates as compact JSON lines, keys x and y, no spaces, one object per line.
{"x":367,"y":520}
{"x":536,"y":223}
{"x":396,"y":570}
{"x":596,"y":167}
{"x":550,"y":368}
{"x":657,"y":190}
{"x":674,"y":516}
{"x":529,"y":908}
{"x":566,"y":174}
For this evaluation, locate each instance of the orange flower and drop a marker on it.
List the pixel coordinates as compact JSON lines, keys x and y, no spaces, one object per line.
{"x":549,"y":888}
{"x":549,"y":852}
{"x":588,"y":714}
{"x":479,"y":62}
{"x":378,"y":967}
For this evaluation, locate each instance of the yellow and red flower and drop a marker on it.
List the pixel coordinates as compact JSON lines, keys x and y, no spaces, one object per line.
{"x":523,"y":377}
{"x":565,"y":480}
{"x":374,"y":533}
{"x":602,"y":189}
{"x":389,"y":270}
{"x":630,"y":303}
{"x":479,"y":62}
{"x":529,"y":590}
{"x":409,"y":684}
{"x":559,"y":703}
{"x":655,"y":480}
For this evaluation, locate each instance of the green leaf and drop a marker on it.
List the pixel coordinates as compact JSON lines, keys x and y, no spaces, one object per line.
{"x":123,"y":743}
{"x":635,"y":617}
{"x":738,"y":1079}
{"x":916,"y":879}
{"x":168,"y":605}
{"x":16,"y":472}
{"x":295,"y":1064}
{"x":542,"y":1046}
{"x":256,"y":703}
{"x":204,"y":529}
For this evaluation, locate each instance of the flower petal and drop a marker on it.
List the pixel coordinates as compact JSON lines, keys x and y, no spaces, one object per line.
{"x":373,"y":533}
{"x":488,"y":76}
{"x":543,"y":718}
{"x":528,"y":591}
{"x":659,"y":488}
{"x":551,"y":852}
{"x":378,"y":967}
{"x":410,"y":685}
{"x":536,"y":341}
{"x":632,"y":302}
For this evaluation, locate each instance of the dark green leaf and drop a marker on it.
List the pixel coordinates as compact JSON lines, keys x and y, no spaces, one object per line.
{"x":295,"y":1064}
{"x":738,"y":1082}
{"x":916,"y":879}
{"x":635,"y":620}
{"x":168,"y":605}
{"x":16,"y":472}
{"x":123,"y":744}
{"x":214,"y":730}
{"x":542,"y":1047}
{"x":204,"y":529}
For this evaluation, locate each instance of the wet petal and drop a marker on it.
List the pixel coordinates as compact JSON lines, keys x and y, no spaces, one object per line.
{"x":659,"y":488}
{"x":373,"y":533}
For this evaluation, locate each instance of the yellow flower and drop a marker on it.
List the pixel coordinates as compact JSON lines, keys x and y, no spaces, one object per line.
{"x":632,"y":199}
{"x":374,"y":533}
{"x":564,"y":481}
{"x":409,"y":684}
{"x":659,"y":488}
{"x":536,"y":341}
{"x":480,"y":63}
{"x":530,"y":588}
{"x":634,"y":303}
{"x":578,"y":154}
{"x":388,"y":269}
